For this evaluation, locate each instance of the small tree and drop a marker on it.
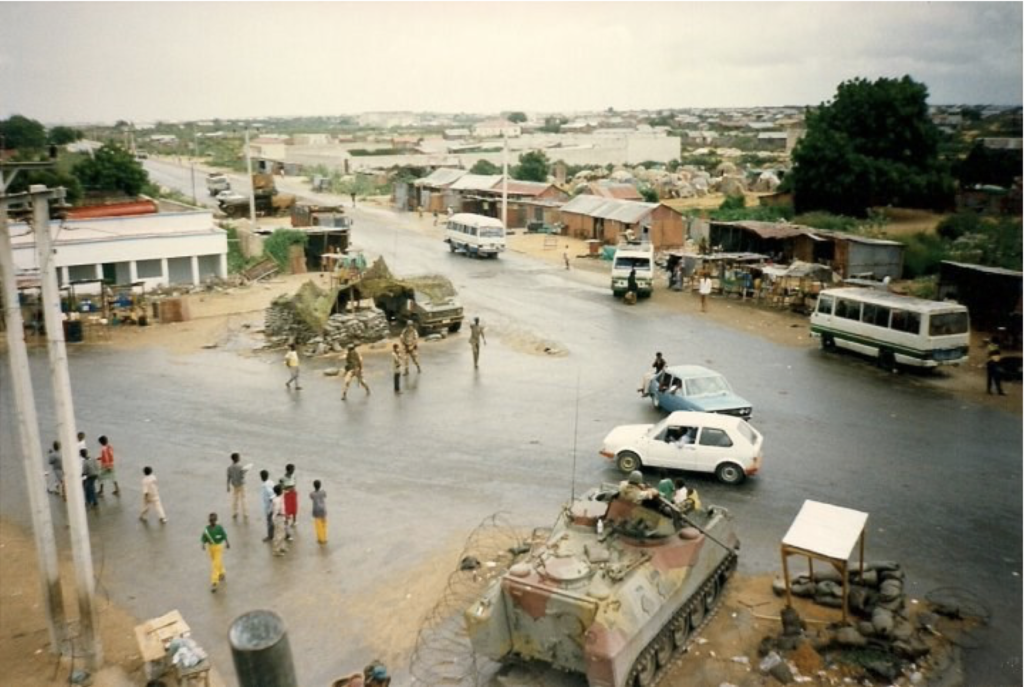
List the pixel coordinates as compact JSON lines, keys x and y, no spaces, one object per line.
{"x":649,"y":194}
{"x":533,"y":166}
{"x":516,"y":117}
{"x":62,"y":135}
{"x":484,"y":167}
{"x":112,"y":168}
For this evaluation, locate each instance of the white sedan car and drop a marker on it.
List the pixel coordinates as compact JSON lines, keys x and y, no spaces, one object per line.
{"x":701,"y":442}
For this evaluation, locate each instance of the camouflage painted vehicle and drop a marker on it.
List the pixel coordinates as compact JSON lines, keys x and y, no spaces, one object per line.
{"x":615,"y":593}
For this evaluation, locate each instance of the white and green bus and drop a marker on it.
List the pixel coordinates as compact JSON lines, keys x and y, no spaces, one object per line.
{"x":892,"y":328}
{"x":475,"y":235}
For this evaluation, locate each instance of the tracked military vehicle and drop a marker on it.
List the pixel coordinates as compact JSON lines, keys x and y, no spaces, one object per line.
{"x":615,"y":593}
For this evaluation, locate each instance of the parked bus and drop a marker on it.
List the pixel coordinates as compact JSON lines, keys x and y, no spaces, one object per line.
{"x":892,"y":328}
{"x":475,"y":235}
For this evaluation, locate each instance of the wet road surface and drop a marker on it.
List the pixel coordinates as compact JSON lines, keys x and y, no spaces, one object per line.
{"x":411,"y":475}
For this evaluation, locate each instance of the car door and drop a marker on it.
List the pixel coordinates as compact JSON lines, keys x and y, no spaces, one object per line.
{"x":668,"y":400}
{"x":659,"y":451}
{"x":713,"y":446}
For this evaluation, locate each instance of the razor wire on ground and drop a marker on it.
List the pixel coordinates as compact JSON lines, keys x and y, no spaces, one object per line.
{"x":443,"y":654}
{"x":959,"y":604}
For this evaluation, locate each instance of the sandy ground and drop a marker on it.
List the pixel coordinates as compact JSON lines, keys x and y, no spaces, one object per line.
{"x":216,"y":320}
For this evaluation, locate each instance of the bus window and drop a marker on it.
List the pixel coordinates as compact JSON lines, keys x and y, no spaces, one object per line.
{"x":825,"y":305}
{"x":944,"y":324}
{"x":877,"y":315}
{"x":847,"y":309}
{"x":903,"y":321}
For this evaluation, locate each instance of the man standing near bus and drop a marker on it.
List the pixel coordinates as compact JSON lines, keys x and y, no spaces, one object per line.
{"x":476,"y":335}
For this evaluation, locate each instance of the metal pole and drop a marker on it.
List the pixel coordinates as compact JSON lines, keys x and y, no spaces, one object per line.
{"x":31,"y":447}
{"x":504,"y":183}
{"x":85,"y":584}
{"x":260,"y":650}
{"x":195,"y":151}
{"x":252,"y":186}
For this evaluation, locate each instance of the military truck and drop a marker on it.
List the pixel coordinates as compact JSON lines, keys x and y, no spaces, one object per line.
{"x":615,"y":592}
{"x":268,"y":201}
{"x":429,"y":301}
{"x":216,"y":182}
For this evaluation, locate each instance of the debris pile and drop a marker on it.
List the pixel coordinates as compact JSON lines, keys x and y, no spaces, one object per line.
{"x":306,"y":320}
{"x":886,"y":639}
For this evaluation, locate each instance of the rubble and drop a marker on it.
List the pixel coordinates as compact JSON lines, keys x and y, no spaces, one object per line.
{"x":305,"y":319}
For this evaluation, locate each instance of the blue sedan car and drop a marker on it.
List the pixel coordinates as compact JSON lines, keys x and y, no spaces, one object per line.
{"x":695,"y":388}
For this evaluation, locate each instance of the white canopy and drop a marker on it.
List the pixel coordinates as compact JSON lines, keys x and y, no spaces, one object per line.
{"x":827,"y":530}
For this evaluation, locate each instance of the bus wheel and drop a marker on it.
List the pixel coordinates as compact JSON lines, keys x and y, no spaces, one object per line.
{"x":827,"y":342}
{"x":886,"y":360}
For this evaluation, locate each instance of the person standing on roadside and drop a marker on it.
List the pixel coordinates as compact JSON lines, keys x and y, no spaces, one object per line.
{"x":565,"y":256}
{"x":704,"y":288}
{"x":396,"y":367}
{"x":151,"y":496}
{"x":291,"y":360}
{"x":291,"y":500}
{"x":267,"y":496}
{"x":411,"y":343}
{"x":992,"y":365}
{"x":89,"y":474}
{"x":476,"y":335}
{"x":353,"y":370}
{"x":214,"y":541}
{"x":280,"y":547}
{"x":236,"y":487}
{"x":319,"y":498}
{"x":56,"y":470}
{"x":107,"y":473}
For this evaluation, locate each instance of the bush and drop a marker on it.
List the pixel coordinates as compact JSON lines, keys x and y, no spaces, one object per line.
{"x":279,"y":243}
{"x":922,"y":255}
{"x":955,"y":226}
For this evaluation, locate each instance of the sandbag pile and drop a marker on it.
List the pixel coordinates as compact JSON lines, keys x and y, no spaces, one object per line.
{"x":880,"y":623}
{"x":283,"y":325}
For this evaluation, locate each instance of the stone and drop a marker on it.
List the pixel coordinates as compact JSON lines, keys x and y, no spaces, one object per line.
{"x":778,"y":586}
{"x":883,"y":669}
{"x":866,"y":628}
{"x":781,"y":672}
{"x":883,"y":621}
{"x":902,"y":630}
{"x":848,"y":636}
{"x":332,"y":372}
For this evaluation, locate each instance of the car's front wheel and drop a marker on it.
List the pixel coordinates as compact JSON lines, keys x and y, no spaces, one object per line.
{"x":730,"y":473}
{"x":628,"y":461}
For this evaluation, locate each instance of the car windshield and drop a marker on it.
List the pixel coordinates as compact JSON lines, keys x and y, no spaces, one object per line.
{"x":626,"y":262}
{"x":944,"y":324}
{"x":707,"y":386}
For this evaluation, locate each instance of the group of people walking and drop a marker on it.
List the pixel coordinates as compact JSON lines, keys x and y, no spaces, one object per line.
{"x":403,"y":351}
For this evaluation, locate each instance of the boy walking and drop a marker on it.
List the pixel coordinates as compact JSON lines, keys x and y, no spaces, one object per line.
{"x":214,"y":541}
{"x":151,"y":496}
{"x":291,"y":360}
{"x":319,"y":498}
{"x":107,"y":473}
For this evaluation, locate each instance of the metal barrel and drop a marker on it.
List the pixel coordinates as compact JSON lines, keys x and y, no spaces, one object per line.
{"x":260,"y":650}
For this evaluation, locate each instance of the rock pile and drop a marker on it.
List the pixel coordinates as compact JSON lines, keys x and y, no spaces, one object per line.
{"x":282,"y":326}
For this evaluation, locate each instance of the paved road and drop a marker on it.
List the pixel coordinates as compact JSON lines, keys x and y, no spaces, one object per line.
{"x":411,"y":475}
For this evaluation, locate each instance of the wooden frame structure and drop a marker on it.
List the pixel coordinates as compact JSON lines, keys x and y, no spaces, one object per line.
{"x":827,"y":533}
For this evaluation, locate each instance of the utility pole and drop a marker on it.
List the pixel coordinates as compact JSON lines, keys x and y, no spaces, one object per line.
{"x":31,"y":446}
{"x":504,"y":183}
{"x":195,"y":152}
{"x":252,"y":186}
{"x":81,"y":551}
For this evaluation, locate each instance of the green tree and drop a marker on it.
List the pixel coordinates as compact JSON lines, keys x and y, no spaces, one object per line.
{"x":649,"y":194}
{"x":516,"y":117}
{"x":112,"y":168}
{"x":62,"y":135}
{"x":987,"y":166}
{"x":51,"y":178}
{"x":533,"y":166}
{"x":484,"y":167}
{"x":553,"y":125}
{"x":22,"y":133}
{"x":872,"y":145}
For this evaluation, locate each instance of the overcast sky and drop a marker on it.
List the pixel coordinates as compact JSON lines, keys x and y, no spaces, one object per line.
{"x":87,"y":62}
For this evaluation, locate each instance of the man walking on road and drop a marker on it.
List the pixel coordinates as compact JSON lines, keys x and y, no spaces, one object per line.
{"x":396,"y":367}
{"x":151,"y":496}
{"x":411,"y":343}
{"x":476,"y":335}
{"x":291,"y":360}
{"x":236,"y":487}
{"x":353,"y":369}
{"x":215,"y":540}
{"x":107,"y":473}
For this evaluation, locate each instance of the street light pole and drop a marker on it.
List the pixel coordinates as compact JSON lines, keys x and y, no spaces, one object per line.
{"x":504,"y":183}
{"x":85,"y":583}
{"x":252,"y":186}
{"x":31,"y":446}
{"x":195,"y":151}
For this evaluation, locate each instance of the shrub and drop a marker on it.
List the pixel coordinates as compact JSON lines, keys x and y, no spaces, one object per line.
{"x":278,"y":244}
{"x":922,"y":255}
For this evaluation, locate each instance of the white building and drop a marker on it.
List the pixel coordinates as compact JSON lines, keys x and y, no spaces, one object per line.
{"x":496,"y":128}
{"x":159,"y":250}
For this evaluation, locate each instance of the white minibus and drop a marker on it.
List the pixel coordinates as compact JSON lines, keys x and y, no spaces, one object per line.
{"x":892,"y":328}
{"x":475,"y":235}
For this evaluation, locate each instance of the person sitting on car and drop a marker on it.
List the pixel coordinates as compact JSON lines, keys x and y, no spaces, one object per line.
{"x":685,"y":437}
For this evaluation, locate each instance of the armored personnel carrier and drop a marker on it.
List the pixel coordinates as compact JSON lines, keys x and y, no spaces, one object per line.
{"x":615,"y":593}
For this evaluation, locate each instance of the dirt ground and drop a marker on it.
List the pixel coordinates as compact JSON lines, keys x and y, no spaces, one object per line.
{"x":217,"y":317}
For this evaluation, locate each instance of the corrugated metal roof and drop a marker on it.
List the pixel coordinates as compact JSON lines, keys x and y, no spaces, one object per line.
{"x":767,"y":230}
{"x":626,"y":211}
{"x":620,"y":191}
{"x":524,"y":188}
{"x":984,"y":268}
{"x":441,"y":177}
{"x":476,"y":182}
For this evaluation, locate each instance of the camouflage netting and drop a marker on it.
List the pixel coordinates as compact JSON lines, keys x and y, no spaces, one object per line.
{"x":306,"y":320}
{"x":379,"y":281}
